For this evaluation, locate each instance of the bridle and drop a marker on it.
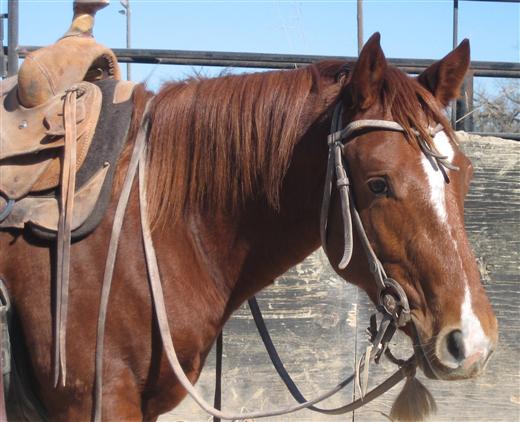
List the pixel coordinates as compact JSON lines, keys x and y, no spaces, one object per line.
{"x":392,"y":301}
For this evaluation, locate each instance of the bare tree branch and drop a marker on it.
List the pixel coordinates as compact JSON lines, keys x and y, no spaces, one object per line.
{"x":499,"y":113}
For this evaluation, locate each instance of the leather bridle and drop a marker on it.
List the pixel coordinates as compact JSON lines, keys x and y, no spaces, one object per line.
{"x":392,"y":300}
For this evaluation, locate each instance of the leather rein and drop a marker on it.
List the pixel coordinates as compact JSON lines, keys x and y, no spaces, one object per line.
{"x":392,"y":301}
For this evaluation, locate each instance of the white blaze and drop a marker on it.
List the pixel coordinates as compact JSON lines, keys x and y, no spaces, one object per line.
{"x":472,"y":333}
{"x":435,"y":177}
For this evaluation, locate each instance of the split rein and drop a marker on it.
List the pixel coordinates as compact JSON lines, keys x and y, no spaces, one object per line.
{"x":392,"y":301}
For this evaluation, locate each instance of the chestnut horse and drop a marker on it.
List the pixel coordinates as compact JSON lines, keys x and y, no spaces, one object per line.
{"x":236,"y":173}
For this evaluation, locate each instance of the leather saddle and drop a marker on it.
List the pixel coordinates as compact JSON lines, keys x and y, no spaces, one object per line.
{"x":33,"y":129}
{"x":31,"y":138}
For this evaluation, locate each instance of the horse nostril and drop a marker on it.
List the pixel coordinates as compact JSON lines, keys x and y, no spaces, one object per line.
{"x":455,"y":344}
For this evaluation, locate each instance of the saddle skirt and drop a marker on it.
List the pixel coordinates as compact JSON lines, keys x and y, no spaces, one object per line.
{"x":30,"y":138}
{"x":30,"y":174}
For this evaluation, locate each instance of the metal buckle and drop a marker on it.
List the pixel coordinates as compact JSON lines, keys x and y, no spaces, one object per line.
{"x":394,"y":302}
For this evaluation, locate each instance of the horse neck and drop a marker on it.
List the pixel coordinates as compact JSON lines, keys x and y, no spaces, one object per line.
{"x":244,"y":253}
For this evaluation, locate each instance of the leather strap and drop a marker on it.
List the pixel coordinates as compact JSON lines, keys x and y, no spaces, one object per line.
{"x":8,"y":207}
{"x":166,"y":337}
{"x":5,"y":355}
{"x":217,"y":401}
{"x":139,"y":145}
{"x":68,"y":186}
{"x":406,"y":369}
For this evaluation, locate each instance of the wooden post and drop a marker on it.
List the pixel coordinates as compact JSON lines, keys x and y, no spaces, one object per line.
{"x":3,"y":62}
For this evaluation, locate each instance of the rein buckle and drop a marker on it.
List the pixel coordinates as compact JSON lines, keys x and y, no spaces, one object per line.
{"x":393,"y":302}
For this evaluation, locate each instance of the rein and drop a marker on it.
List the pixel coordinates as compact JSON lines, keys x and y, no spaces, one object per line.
{"x":392,"y":300}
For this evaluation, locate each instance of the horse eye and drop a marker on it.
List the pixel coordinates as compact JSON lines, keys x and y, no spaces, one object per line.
{"x":378,"y":186}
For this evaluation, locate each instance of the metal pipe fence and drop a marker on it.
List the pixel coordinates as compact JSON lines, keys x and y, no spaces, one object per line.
{"x":265,"y":61}
{"x":280,"y":61}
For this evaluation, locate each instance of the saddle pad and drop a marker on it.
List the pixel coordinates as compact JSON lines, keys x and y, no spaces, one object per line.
{"x":107,"y":144}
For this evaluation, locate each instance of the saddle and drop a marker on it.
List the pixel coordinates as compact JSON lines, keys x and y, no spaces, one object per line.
{"x":31,"y":138}
{"x":34,"y":129}
{"x":63,"y":124}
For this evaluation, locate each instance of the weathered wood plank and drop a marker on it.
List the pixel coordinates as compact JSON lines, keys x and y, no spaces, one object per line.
{"x":493,"y":225}
{"x":318,"y":321}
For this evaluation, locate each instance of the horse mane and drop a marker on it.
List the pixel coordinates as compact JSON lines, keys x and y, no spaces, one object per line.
{"x":215,"y":142}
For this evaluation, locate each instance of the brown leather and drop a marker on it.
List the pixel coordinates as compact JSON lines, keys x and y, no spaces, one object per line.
{"x":67,"y":189}
{"x":84,"y":12}
{"x":123,"y":92}
{"x":25,"y":132}
{"x":44,"y":211}
{"x":50,"y":70}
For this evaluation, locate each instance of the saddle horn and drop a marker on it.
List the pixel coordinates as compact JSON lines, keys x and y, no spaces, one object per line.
{"x":83,"y":20}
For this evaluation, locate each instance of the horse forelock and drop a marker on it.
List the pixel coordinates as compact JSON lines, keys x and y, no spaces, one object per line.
{"x":214,"y":143}
{"x":412,"y":106}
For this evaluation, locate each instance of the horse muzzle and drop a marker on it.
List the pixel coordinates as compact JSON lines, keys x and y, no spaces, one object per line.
{"x":450,"y":358}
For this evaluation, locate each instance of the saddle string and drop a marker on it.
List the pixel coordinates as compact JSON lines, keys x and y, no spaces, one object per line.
{"x":7,"y":207}
{"x":68,"y":186}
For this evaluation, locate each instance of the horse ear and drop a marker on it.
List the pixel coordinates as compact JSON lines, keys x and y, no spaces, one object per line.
{"x":367,"y":75}
{"x":444,"y":77}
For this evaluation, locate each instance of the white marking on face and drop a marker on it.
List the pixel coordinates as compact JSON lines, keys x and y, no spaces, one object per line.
{"x":475,"y":340}
{"x":435,"y":178}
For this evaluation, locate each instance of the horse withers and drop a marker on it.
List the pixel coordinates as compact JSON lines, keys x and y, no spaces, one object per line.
{"x":236,"y":172}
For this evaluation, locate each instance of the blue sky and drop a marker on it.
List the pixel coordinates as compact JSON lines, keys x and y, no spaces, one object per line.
{"x":420,"y":29}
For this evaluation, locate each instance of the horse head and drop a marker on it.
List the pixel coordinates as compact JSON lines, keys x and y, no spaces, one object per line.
{"x":409,"y":187}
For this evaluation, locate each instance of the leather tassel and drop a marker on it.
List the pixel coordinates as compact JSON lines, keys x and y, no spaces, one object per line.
{"x":414,"y":402}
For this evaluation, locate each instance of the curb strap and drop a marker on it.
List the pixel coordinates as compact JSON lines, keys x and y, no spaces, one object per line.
{"x":139,"y":145}
{"x":67,"y":189}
